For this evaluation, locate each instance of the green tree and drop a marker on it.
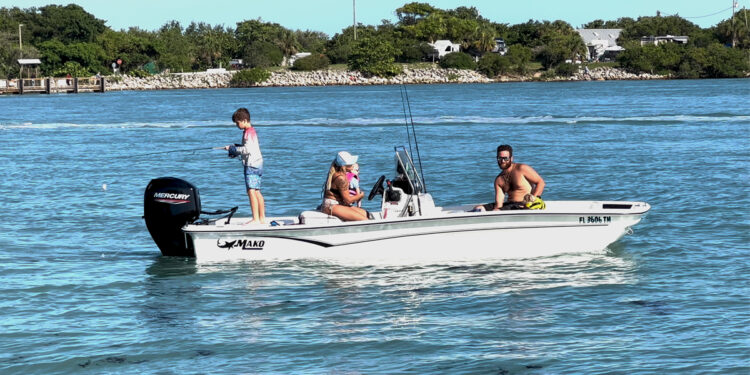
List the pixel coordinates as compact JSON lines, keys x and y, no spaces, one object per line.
{"x":620,"y":23}
{"x":135,"y":47}
{"x":340,"y":47}
{"x":636,"y":58}
{"x":725,"y":31}
{"x":411,"y":13}
{"x":253,"y":31}
{"x":467,"y":13}
{"x":263,"y":55}
{"x":372,"y":56}
{"x":174,"y":48}
{"x":519,"y":57}
{"x":287,"y":43}
{"x":723,"y":62}
{"x":69,"y":24}
{"x":9,"y":54}
{"x":210,"y":44}
{"x":54,"y":55}
{"x":431,"y":28}
{"x":311,"y":41}
{"x":483,"y":38}
{"x":560,"y":48}
{"x":412,"y":50}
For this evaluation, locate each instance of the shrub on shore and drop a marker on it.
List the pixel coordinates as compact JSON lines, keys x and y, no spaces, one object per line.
{"x":249,"y":77}
{"x":457,"y":60}
{"x":492,"y":64}
{"x":566,"y":69}
{"x":313,"y":62}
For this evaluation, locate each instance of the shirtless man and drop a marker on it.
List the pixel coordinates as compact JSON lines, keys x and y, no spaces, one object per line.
{"x":519,"y":181}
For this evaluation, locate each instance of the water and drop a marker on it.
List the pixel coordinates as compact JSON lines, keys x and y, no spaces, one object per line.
{"x":85,"y":288}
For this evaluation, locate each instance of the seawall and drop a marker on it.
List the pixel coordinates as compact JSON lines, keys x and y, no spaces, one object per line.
{"x":201,"y":80}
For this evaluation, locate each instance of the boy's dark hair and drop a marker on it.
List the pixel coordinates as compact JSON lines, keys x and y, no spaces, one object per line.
{"x":505,"y":148}
{"x":241,"y":114}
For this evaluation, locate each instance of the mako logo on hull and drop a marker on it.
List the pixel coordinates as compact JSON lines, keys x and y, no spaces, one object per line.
{"x":172,"y":198}
{"x":241,"y":244}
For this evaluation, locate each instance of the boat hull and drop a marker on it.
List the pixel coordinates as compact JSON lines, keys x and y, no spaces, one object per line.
{"x":451,"y":235}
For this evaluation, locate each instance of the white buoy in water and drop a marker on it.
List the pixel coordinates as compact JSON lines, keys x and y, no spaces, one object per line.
{"x":104,"y":187}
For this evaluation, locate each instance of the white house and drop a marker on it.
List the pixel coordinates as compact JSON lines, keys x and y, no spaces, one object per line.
{"x":600,"y":43}
{"x":656,"y":40}
{"x":444,"y":47}
{"x":297,"y":56}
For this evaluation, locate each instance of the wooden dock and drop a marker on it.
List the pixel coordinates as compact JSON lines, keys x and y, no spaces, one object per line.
{"x":51,"y":85}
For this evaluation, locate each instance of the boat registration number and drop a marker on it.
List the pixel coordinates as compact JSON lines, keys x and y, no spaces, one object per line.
{"x":594,"y":219}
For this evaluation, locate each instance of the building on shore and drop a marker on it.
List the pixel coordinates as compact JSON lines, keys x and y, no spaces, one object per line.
{"x":601,"y":44}
{"x":236,"y":64}
{"x":500,"y":47}
{"x":656,"y":40}
{"x":30,"y":66}
{"x":295,"y":57}
{"x":443,"y":47}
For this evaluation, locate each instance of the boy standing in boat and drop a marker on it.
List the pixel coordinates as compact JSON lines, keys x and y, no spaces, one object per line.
{"x":252,"y":160}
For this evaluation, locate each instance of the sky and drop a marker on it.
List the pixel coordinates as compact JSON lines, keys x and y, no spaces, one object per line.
{"x":331,"y":16}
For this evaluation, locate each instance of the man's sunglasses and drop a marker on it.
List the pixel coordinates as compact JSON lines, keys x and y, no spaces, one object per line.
{"x":503,"y":158}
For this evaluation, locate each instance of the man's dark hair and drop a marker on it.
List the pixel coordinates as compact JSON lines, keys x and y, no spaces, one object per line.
{"x":505,"y":148}
{"x":241,"y":114}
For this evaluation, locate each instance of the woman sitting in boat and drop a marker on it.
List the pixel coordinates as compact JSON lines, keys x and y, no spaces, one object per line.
{"x":336,"y":198}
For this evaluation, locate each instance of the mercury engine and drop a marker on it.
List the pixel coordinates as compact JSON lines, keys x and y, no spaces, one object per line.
{"x":169,"y":204}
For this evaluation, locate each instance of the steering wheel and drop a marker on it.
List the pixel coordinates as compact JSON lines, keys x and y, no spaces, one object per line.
{"x":377,"y":188}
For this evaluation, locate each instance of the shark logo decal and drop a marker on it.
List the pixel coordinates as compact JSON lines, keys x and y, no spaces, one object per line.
{"x":244,"y":244}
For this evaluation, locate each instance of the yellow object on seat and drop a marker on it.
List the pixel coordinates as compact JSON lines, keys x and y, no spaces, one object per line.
{"x":537,"y":204}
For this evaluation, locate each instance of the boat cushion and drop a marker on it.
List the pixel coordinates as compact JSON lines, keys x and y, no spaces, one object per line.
{"x":317,"y":217}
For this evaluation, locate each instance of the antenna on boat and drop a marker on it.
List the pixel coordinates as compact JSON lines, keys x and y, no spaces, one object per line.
{"x":406,"y":104}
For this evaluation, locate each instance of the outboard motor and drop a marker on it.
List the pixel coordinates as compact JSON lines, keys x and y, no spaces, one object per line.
{"x":168,"y":205}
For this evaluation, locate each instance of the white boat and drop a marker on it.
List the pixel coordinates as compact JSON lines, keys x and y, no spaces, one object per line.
{"x":408,"y":228}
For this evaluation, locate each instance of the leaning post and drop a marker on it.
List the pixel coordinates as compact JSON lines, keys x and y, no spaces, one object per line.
{"x":20,"y":86}
{"x":47,"y":87}
{"x":75,"y":85}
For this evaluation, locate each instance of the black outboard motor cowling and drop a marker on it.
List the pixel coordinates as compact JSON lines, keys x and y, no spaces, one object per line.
{"x":168,"y":205}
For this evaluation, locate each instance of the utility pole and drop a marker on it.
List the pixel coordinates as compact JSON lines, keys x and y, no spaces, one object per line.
{"x":354,"y":15}
{"x":734,"y":33}
{"x":20,"y":42}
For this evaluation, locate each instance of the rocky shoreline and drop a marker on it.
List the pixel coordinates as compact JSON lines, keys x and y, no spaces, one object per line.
{"x":204,"y":80}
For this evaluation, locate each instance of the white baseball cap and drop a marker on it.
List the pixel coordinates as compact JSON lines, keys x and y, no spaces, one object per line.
{"x":344,"y":158}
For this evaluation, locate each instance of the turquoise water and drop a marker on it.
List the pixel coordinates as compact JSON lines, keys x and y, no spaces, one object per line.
{"x":86,"y":290}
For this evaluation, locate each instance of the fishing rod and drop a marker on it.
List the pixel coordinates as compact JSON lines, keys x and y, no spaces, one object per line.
{"x":414,"y":133}
{"x":182,"y":150}
{"x":406,"y":120}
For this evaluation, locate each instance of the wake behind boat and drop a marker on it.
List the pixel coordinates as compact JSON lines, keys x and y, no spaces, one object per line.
{"x":409,"y":227}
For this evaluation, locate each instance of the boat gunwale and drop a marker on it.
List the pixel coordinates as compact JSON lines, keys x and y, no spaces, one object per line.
{"x":231,"y":228}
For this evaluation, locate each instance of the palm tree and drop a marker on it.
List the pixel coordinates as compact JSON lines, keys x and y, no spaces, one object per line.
{"x":484,"y":39}
{"x":287,"y":42}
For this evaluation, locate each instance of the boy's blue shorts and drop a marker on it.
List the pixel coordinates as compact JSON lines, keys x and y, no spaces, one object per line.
{"x":253,"y":177}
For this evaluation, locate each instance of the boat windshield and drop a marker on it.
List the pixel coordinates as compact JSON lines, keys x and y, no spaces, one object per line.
{"x":408,"y":171}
